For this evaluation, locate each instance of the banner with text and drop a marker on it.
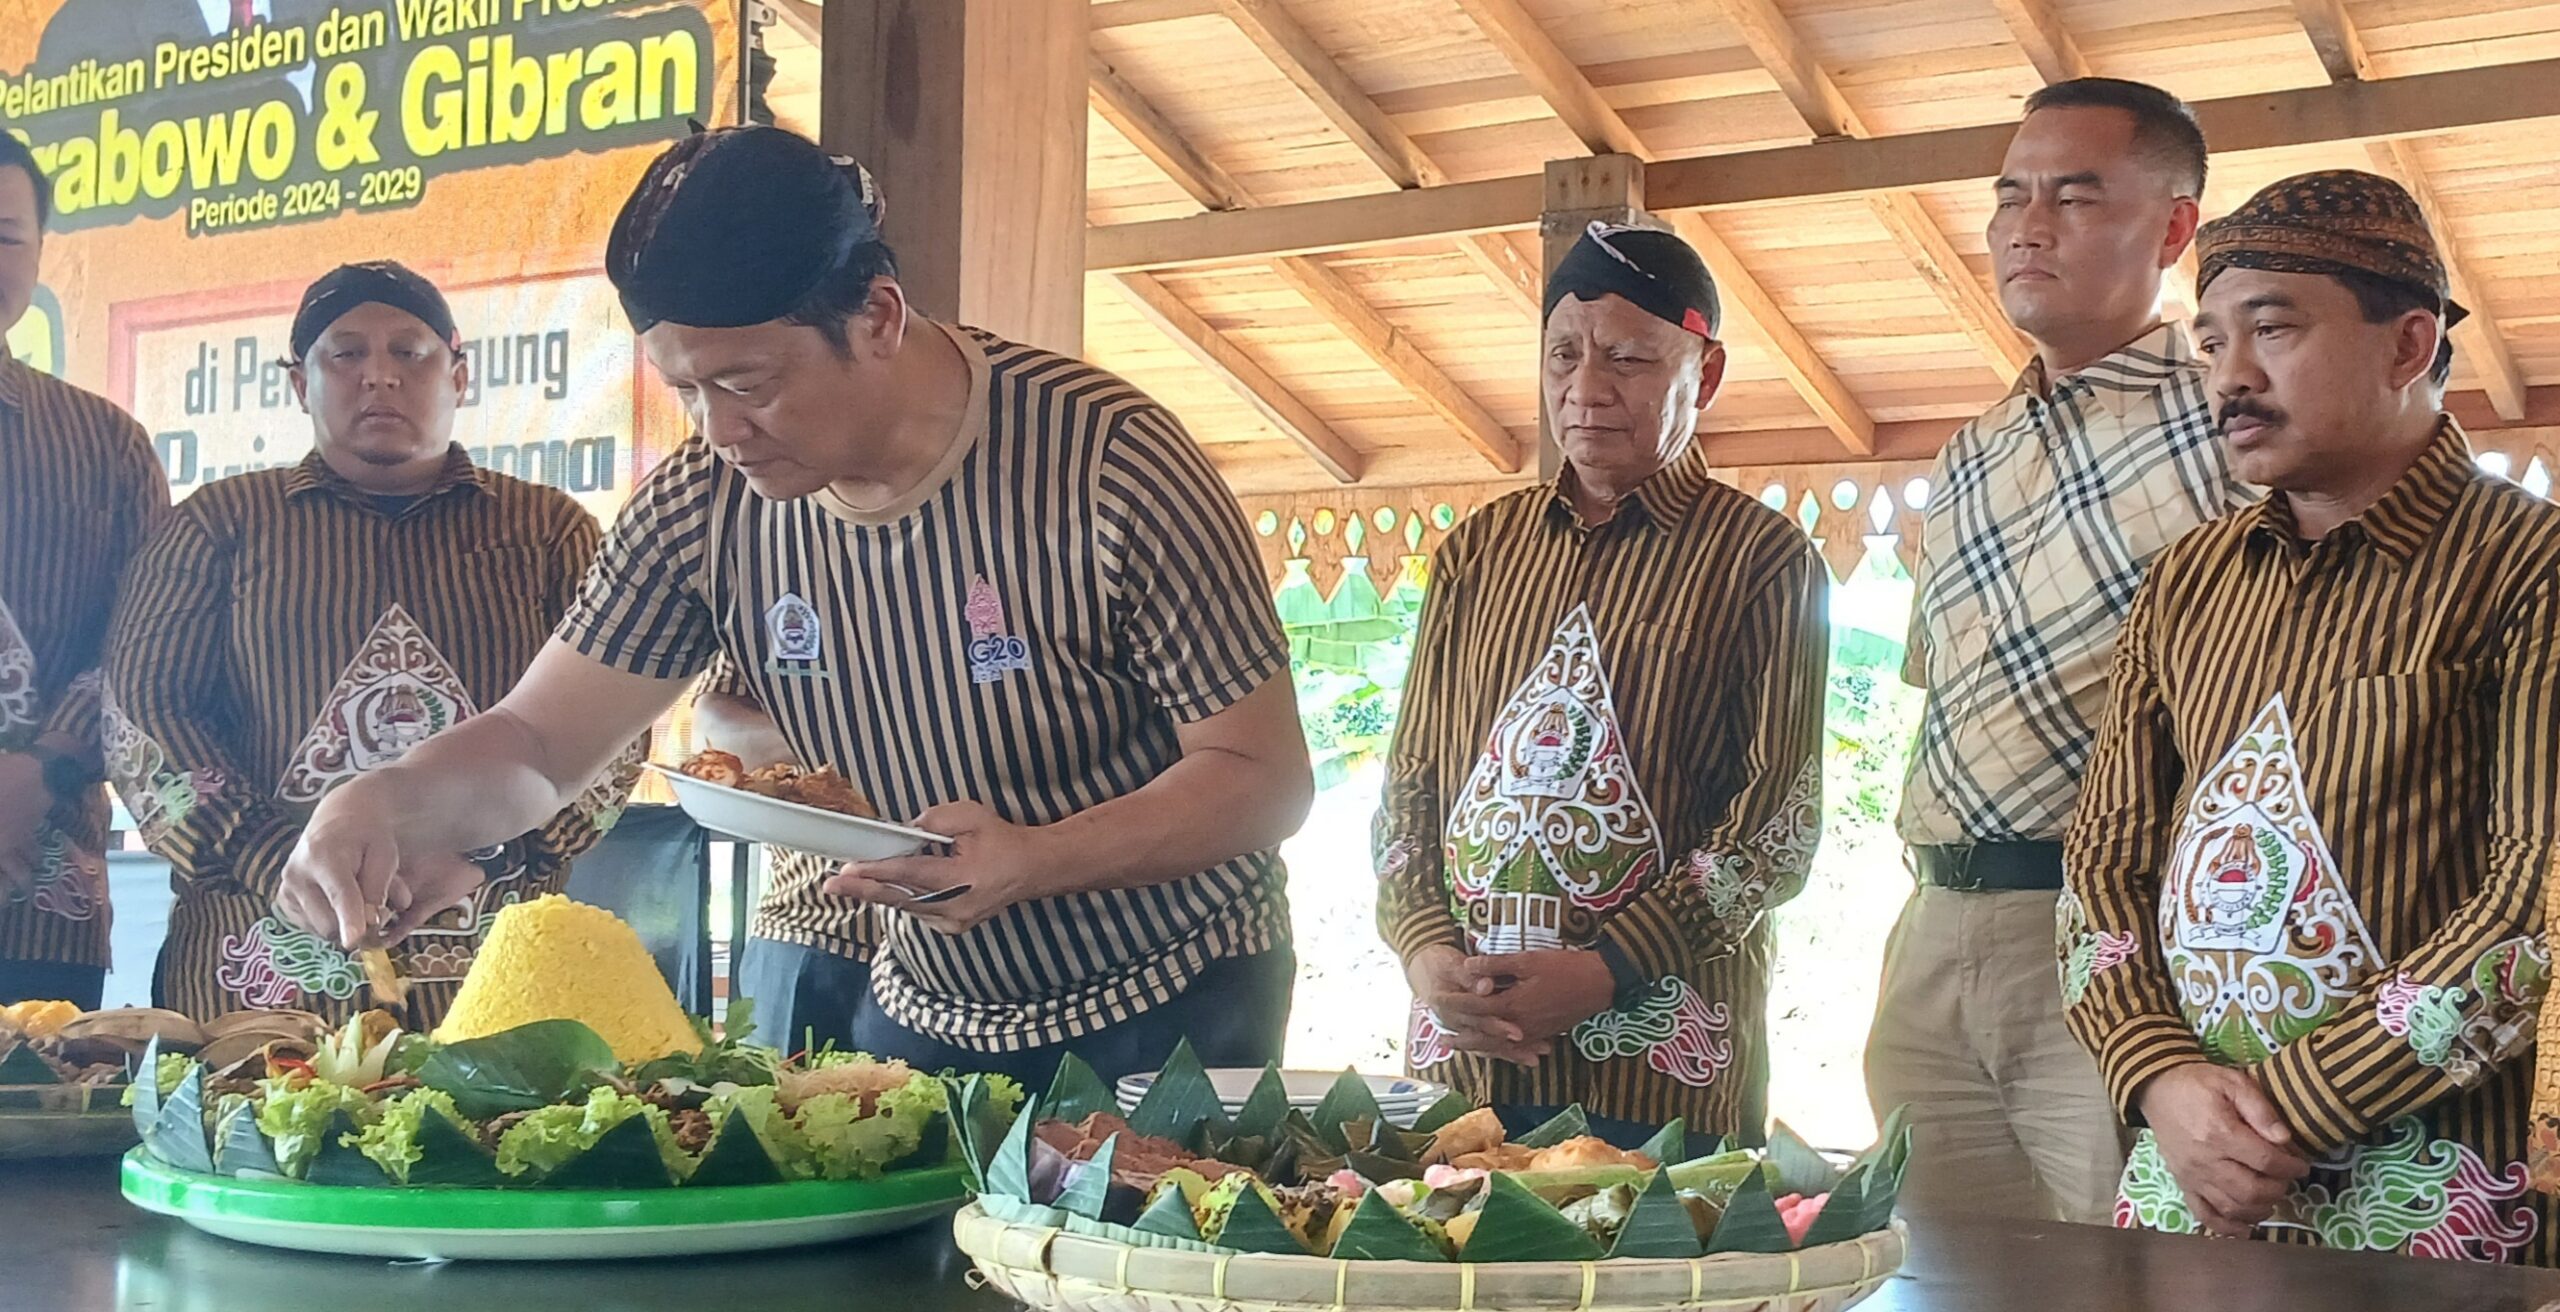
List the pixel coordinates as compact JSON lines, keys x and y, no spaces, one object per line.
{"x":210,"y":157}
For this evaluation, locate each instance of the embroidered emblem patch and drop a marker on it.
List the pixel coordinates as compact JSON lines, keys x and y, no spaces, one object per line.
{"x":17,"y":676}
{"x":2262,"y":937}
{"x":993,"y":653}
{"x":791,"y":630}
{"x":398,"y":691}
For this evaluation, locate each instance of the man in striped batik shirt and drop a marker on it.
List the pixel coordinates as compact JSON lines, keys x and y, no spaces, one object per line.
{"x":78,"y":489}
{"x":2304,"y":934}
{"x":1001,"y":590}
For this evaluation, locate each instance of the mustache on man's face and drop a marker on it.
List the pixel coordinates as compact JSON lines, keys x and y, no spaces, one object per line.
{"x":2242,"y":407}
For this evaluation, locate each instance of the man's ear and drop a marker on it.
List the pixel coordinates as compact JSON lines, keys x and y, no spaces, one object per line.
{"x":2415,"y":340}
{"x":1711,"y":366}
{"x":301,"y":385}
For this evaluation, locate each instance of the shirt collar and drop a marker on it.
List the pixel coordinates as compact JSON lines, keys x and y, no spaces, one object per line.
{"x":2406,"y":516}
{"x":2125,"y":375}
{"x":1663,"y":499}
{"x":315,"y":475}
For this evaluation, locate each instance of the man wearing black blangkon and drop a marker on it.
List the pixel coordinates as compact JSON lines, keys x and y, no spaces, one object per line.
{"x":998,"y":589}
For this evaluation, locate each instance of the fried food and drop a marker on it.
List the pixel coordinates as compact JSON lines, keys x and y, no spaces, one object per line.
{"x":822,"y":788}
{"x":38,"y":1018}
{"x":1585,"y":1151}
{"x":1472,"y":1133}
{"x":716,"y":767}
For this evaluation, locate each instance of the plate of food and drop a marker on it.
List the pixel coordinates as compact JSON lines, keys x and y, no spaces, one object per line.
{"x":64,"y":1072}
{"x":1189,"y":1209}
{"x":812,"y":810}
{"x":566,"y":1108}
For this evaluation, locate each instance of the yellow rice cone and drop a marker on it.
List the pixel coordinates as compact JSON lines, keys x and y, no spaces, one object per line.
{"x":554,"y":959}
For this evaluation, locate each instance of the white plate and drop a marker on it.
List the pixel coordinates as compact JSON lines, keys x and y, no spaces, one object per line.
{"x":1305,"y":1088}
{"x":742,"y":814}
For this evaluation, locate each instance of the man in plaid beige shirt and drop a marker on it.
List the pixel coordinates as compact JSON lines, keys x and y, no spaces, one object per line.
{"x":2043,"y":513}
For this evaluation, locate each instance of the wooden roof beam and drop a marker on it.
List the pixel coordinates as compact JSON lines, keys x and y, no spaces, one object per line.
{"x":1573,"y":98}
{"x":1388,"y":348}
{"x":1333,"y":299}
{"x":1827,"y":113}
{"x":2039,"y":32}
{"x":1221,"y":356}
{"x":1310,"y":68}
{"x":2333,"y":34}
{"x":2478,"y":337}
{"x":2418,"y":105}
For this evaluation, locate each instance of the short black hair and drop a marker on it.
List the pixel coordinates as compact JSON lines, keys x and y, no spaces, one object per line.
{"x":2382,"y":300}
{"x":2163,"y":127}
{"x":15,"y":154}
{"x":842,"y":293}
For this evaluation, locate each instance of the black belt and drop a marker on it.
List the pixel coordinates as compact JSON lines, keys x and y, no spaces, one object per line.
{"x":1990,"y":867}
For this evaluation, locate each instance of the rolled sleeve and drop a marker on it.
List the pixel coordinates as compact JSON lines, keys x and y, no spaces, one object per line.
{"x":641,"y":609}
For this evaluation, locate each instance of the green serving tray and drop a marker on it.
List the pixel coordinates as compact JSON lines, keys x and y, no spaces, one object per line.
{"x":533,"y":1224}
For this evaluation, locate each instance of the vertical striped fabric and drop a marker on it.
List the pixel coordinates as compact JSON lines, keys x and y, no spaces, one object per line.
{"x":1026,"y":632}
{"x":2414,"y":656}
{"x":78,"y":489}
{"x":1710,"y":617}
{"x":255,"y":625}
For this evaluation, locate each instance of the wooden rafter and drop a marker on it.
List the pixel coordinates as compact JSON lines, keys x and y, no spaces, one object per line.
{"x":1570,"y":94}
{"x":2421,"y":104}
{"x":2334,"y":36}
{"x":2480,"y":339}
{"x":1222,"y":357}
{"x":2039,"y":32}
{"x":1321,"y":78}
{"x":1132,"y":13}
{"x":1332,"y":298}
{"x":1827,"y":113}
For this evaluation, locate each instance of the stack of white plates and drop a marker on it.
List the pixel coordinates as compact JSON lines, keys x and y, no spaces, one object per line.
{"x":1401,"y":1098}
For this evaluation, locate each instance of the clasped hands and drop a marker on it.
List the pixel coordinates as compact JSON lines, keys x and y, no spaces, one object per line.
{"x":1514,"y":1006}
{"x":2229,"y":1147}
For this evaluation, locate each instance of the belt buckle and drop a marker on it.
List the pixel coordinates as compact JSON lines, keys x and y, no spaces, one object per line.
{"x":1965,"y":879}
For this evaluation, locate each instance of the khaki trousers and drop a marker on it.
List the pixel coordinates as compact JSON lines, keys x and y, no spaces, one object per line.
{"x":2009,"y":1116}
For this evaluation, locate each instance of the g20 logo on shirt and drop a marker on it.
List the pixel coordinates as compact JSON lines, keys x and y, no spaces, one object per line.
{"x":993,"y":653}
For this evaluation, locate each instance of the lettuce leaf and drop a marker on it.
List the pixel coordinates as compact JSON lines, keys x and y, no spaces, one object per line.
{"x":296,"y":1118}
{"x":549,"y":1137}
{"x":171,"y":1068}
{"x":761,"y":1106}
{"x":848,"y":1145}
{"x":392,"y":1142}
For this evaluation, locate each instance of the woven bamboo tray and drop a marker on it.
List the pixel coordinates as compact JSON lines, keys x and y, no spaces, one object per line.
{"x":1051,"y":1270}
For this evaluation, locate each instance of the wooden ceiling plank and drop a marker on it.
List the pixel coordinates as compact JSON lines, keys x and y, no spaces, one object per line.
{"x":2333,"y":35}
{"x":1396,"y":354}
{"x":1828,"y":113}
{"x":1790,"y":62}
{"x":1571,"y":95}
{"x":1558,"y":81}
{"x":2479,"y":337}
{"x":1213,"y":350}
{"x":1334,"y":299}
{"x":1802,"y":365}
{"x":2418,"y":105}
{"x":1132,"y":13}
{"x":2048,"y":45}
{"x":1977,"y":310}
{"x":1313,"y":70}
{"x":1134,"y":117}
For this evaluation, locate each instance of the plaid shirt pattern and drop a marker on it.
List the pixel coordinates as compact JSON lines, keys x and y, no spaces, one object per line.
{"x":2043,"y":514}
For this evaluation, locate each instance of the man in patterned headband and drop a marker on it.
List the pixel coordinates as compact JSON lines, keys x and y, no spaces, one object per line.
{"x":289,"y":630}
{"x":2311,"y":852}
{"x":998,"y":589}
{"x":1608,"y":764}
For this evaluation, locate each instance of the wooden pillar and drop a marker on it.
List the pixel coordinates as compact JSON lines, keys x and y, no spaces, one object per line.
{"x":1580,"y":191}
{"x":970,"y":115}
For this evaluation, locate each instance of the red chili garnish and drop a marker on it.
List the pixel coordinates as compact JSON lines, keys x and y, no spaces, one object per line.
{"x":294,"y":1065}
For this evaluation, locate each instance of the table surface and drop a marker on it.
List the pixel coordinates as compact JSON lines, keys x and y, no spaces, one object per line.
{"x":70,"y":1243}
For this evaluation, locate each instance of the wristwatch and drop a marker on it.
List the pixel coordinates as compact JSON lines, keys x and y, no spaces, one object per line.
{"x":1632,"y":986}
{"x":64,"y":775}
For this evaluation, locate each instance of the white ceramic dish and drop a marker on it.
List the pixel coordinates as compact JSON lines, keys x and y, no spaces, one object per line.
{"x":760,"y":819}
